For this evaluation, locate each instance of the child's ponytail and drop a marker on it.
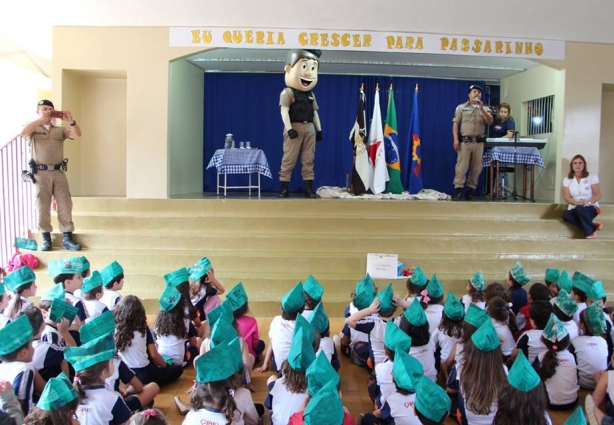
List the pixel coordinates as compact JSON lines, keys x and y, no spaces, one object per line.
{"x":16,"y":304}
{"x":547,"y":367}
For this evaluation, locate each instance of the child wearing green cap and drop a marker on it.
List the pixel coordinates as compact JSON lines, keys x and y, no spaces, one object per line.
{"x":4,"y":302}
{"x":551,"y":279}
{"x":504,"y":323}
{"x":415,"y":284}
{"x":205,"y":289}
{"x":113,"y":280}
{"x":67,"y":272}
{"x":590,"y":349}
{"x":85,"y":267}
{"x":247,"y":325}
{"x":92,"y":292}
{"x":57,"y":404}
{"x":580,"y":287}
{"x":22,"y":282}
{"x":530,"y":342}
{"x":431,"y":301}
{"x":564,"y":308}
{"x":516,"y":279}
{"x":313,"y":291}
{"x":415,"y":324}
{"x":56,"y":333}
{"x":475,"y":291}
{"x":449,"y":332}
{"x":557,"y":367}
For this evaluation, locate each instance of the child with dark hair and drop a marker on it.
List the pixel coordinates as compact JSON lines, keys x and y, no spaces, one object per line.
{"x":432,"y":404}
{"x":522,"y":399}
{"x":537,"y":292}
{"x":22,"y":282}
{"x":597,"y":295}
{"x":148,"y":417}
{"x":57,"y":404}
{"x":312,"y":291}
{"x":67,"y":273}
{"x":85,"y":267}
{"x":180,"y":279}
{"x":475,"y":291}
{"x":590,"y":349}
{"x":282,"y":328}
{"x":504,"y":322}
{"x":4,"y":302}
{"x":516,"y":279}
{"x":449,"y":332}
{"x":530,"y":342}
{"x":56,"y":331}
{"x":414,"y":323}
{"x":431,"y":301}
{"x":557,"y":367}
{"x":551,"y":279}
{"x":113,"y":280}
{"x":321,"y":324}
{"x":204,"y":294}
{"x":564,"y":308}
{"x":495,"y":289}
{"x":92,"y":292}
{"x":581,"y":285}
{"x":247,"y":326}
{"x":415,"y":284}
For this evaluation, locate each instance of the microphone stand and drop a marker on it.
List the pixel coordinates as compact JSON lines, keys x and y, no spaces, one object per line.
{"x":514,"y":193}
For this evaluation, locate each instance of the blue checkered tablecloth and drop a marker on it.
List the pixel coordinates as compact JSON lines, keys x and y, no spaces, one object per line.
{"x":240,"y":161}
{"x":506,"y":155}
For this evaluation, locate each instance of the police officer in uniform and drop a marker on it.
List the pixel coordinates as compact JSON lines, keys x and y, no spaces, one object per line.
{"x":299,"y":113}
{"x":469,"y":129}
{"x":48,"y":166}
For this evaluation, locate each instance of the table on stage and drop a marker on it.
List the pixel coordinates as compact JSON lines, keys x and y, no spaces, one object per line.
{"x":239,"y":161}
{"x":526,"y":156}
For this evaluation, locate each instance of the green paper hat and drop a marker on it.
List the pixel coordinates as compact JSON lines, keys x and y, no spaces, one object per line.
{"x":221,"y":311}
{"x":26,"y":243}
{"x":576,"y":418}
{"x":453,"y":308}
{"x":20,"y":277}
{"x":85,"y":264}
{"x":565,"y":282}
{"x":313,"y":288}
{"x":57,"y":393}
{"x":364,"y":293}
{"x":552,"y":275}
{"x":477,"y":281}
{"x":476,"y":316}
{"x":565,"y":303}
{"x":91,"y":353}
{"x":522,"y":375}
{"x":582,"y":282}
{"x":596,"y":292}
{"x":64,"y":266}
{"x":56,"y":292}
{"x":596,"y":319}
{"x":302,"y":323}
{"x":486,"y":338}
{"x":519,"y":274}
{"x":110,"y":272}
{"x":434,"y":288}
{"x":418,"y":277}
{"x":217,"y":364}
{"x":15,"y":335}
{"x":237,"y":355}
{"x":301,"y":354}
{"x":555,"y":330}
{"x":177,"y":277}
{"x":396,"y":339}
{"x":324,"y":408}
{"x":319,"y":319}
{"x":405,"y":371}
{"x":431,"y":400}
{"x":92,"y":282}
{"x":60,"y":308}
{"x":102,"y":325}
{"x":200,"y":269}
{"x":222,"y":332}
{"x":385,"y":298}
{"x":2,"y":289}
{"x":294,"y":300}
{"x":236,"y":297}
{"x":319,"y":373}
{"x":170,"y":298}
{"x":415,"y":313}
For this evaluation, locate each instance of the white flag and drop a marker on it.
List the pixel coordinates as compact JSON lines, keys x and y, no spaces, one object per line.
{"x":377,"y":153}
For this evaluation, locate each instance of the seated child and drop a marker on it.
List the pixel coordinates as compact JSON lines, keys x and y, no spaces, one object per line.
{"x":355,"y":344}
{"x":414,"y":323}
{"x":148,"y":417}
{"x":415,"y":284}
{"x":22,"y":282}
{"x":312,"y":291}
{"x":564,"y":309}
{"x":431,"y":300}
{"x":432,"y":404}
{"x":319,"y":320}
{"x":67,"y":273}
{"x":475,"y":291}
{"x":551,"y":280}
{"x":504,"y":323}
{"x":516,"y":279}
{"x":85,"y":267}
{"x":4,"y":302}
{"x":247,"y":326}
{"x":581,"y":284}
{"x":530,"y":342}
{"x":92,"y":292}
{"x":55,"y":333}
{"x":449,"y":332}
{"x":113,"y":281}
{"x":180,"y":279}
{"x":57,"y":404}
{"x":537,"y":292}
{"x":204,"y":294}
{"x":590,"y":349}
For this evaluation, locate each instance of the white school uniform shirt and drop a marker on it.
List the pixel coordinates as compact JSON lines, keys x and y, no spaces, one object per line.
{"x":466,"y":300}
{"x":51,"y":335}
{"x":4,"y":320}
{"x":209,"y":416}
{"x":562,"y":387}
{"x":401,"y":408}
{"x":505,"y":336}
{"x":285,"y":403}
{"x":592,"y":356}
{"x":425,"y":354}
{"x":21,"y":377}
{"x":327,"y":345}
{"x":383,"y":375}
{"x":356,"y":336}
{"x":533,"y":341}
{"x":433,"y":315}
{"x":576,"y":315}
{"x":581,"y":190}
{"x":375,"y":327}
{"x":280,"y":334}
{"x":474,"y":418}
{"x":135,"y":356}
{"x":94,"y":308}
{"x":445,"y":342}
{"x":110,"y":298}
{"x":172,"y":346}
{"x":572,"y":329}
{"x":46,"y":355}
{"x":102,"y":406}
{"x":77,"y":302}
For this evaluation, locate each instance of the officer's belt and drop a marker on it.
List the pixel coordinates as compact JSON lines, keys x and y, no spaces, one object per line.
{"x":51,"y":167}
{"x":479,"y":139}
{"x":302,"y":122}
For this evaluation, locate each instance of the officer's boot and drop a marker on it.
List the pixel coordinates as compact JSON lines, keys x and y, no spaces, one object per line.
{"x":458,"y":194}
{"x":309,"y":193}
{"x":46,"y":244}
{"x":469,"y":194}
{"x":285,"y":190}
{"x":69,"y":244}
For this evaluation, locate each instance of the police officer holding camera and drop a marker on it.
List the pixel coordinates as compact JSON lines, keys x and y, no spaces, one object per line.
{"x":469,"y":132}
{"x":47,"y":171}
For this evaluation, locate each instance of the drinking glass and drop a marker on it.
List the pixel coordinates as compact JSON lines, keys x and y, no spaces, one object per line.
{"x":242,"y":145}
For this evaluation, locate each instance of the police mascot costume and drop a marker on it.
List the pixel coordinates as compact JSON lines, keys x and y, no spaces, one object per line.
{"x":299,"y":113}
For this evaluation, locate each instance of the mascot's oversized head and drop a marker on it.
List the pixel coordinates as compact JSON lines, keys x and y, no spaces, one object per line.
{"x":302,"y":69}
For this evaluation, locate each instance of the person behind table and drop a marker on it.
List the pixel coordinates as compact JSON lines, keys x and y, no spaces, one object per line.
{"x":47,"y":146}
{"x":522,"y":399}
{"x":504,"y":125}
{"x":91,"y":293}
{"x":113,"y":281}
{"x":22,"y":282}
{"x":581,"y":190}
{"x":313,"y":292}
{"x":475,"y":291}
{"x":468,"y":131}
{"x":57,"y":404}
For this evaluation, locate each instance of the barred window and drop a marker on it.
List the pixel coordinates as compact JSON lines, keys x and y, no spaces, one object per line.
{"x":539,"y":115}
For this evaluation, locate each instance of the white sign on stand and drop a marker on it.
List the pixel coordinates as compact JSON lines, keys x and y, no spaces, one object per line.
{"x":382,"y":266}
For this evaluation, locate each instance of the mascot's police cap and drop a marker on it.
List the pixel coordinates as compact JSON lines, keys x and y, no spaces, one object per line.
{"x":45,"y":102}
{"x":295,"y":54}
{"x":477,"y":87}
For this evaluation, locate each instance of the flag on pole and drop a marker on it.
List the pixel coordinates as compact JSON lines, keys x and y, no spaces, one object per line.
{"x":415,"y":175}
{"x":393,"y":162}
{"x":361,"y":169}
{"x":377,"y":153}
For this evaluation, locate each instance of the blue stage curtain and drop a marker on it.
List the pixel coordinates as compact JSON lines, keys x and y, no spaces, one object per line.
{"x":247,"y":105}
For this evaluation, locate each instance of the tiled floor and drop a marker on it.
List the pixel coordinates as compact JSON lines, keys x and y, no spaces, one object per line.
{"x":353,"y":384}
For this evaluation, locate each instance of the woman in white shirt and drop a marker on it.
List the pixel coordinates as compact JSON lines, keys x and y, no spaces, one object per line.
{"x":582,"y":192}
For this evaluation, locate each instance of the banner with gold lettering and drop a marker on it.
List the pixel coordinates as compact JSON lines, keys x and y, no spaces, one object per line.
{"x":367,"y":41}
